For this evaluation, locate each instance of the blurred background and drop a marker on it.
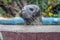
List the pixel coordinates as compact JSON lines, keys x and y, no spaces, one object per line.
{"x":11,"y":8}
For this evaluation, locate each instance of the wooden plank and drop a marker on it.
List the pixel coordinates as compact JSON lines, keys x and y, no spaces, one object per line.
{"x":31,"y":36}
{"x":48,"y":36}
{"x":9,"y":36}
{"x":23,"y":35}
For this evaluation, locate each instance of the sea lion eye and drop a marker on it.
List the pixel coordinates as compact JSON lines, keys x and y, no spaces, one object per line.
{"x":31,"y":9}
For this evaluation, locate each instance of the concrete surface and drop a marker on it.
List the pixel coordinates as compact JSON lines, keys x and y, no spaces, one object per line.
{"x":1,"y":37}
{"x":36,"y":28}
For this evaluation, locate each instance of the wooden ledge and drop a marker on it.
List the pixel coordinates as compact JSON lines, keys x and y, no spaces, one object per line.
{"x":36,"y":28}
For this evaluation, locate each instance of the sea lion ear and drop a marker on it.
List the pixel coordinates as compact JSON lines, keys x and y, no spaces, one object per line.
{"x":31,"y":9}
